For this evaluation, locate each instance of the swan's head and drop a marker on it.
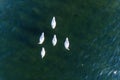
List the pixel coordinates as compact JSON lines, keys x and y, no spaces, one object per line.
{"x":53,"y":17}
{"x":42,"y":33}
{"x":66,"y":38}
{"x":55,"y":36}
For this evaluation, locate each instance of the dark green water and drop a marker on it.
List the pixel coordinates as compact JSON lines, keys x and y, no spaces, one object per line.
{"x":91,"y":25}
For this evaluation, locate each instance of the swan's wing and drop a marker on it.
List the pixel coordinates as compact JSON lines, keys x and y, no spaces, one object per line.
{"x":42,"y":38}
{"x":43,"y":52}
{"x":66,"y":44}
{"x":53,"y":23}
{"x":54,"y":40}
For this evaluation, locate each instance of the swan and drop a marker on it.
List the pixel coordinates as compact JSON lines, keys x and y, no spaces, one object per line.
{"x":53,"y":23}
{"x":66,"y":43}
{"x":43,"y":52}
{"x":42,"y":38}
{"x":54,"y":40}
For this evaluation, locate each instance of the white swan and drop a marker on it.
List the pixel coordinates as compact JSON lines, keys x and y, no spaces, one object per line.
{"x":66,"y":43}
{"x":54,"y":40}
{"x":42,"y":38}
{"x":53,"y":23}
{"x":43,"y":52}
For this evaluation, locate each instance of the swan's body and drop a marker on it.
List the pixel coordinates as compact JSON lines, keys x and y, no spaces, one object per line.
{"x":53,"y":23}
{"x":43,"y":52}
{"x":54,"y":40}
{"x":42,"y":38}
{"x":66,"y":43}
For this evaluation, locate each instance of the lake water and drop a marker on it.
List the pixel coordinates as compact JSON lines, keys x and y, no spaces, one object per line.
{"x":91,"y":25}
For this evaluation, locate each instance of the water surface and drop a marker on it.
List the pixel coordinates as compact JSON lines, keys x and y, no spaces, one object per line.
{"x":91,"y":25}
